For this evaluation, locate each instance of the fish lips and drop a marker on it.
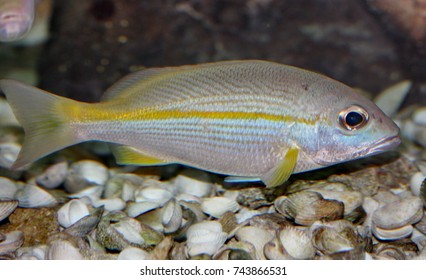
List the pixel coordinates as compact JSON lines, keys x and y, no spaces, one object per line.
{"x":383,"y":145}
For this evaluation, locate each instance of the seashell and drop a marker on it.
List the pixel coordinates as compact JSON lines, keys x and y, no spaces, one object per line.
{"x":84,"y":173}
{"x":195,"y":183}
{"x":132,"y":253}
{"x":138,"y":208}
{"x":245,"y":214}
{"x":296,"y":243}
{"x":71,"y":212}
{"x":8,"y":154}
{"x":416,"y":182}
{"x":122,"y":186}
{"x":217,"y":206}
{"x":159,"y":195}
{"x":7,"y":207}
{"x":171,"y":216}
{"x":423,"y":192}
{"x":392,"y":97}
{"x":32,"y":253}
{"x":236,"y":250}
{"x":306,"y":207}
{"x":161,"y":251}
{"x":11,"y":241}
{"x":205,"y":238}
{"x":419,"y":116}
{"x":53,"y":176}
{"x":63,"y":250}
{"x":334,"y":237}
{"x":256,"y":236}
{"x":392,"y":234}
{"x":92,"y":192}
{"x":8,"y":188}
{"x":86,"y":224}
{"x":399,"y":213}
{"x":110,"y":204}
{"x":351,"y":199}
{"x":31,"y":196}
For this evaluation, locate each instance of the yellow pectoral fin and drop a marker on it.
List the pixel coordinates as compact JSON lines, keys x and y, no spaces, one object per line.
{"x":279,"y":174}
{"x":131,"y":156}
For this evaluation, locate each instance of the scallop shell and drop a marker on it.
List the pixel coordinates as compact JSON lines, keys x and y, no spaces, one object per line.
{"x":398,"y":214}
{"x":110,"y":204}
{"x":32,"y":253}
{"x":156,"y":194}
{"x":63,"y":250}
{"x":256,"y":236}
{"x":416,"y":182}
{"x":351,"y":199}
{"x":8,"y":188}
{"x":92,"y":192}
{"x":7,"y":207}
{"x":53,"y":176}
{"x":171,"y":216}
{"x":31,"y":196}
{"x":205,"y":238}
{"x":217,"y":206}
{"x":199,"y":186}
{"x":296,"y":243}
{"x":86,"y":224}
{"x":306,"y":207}
{"x":132,"y":253}
{"x":11,"y":242}
{"x":123,"y":186}
{"x":138,"y":208}
{"x":71,"y":212}
{"x":84,"y":173}
{"x":392,"y":234}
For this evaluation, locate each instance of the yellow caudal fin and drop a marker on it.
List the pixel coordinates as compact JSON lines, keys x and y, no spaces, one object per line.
{"x":41,"y":114}
{"x":282,"y":172}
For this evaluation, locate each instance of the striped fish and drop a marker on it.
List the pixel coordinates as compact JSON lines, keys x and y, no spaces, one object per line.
{"x":253,"y":120}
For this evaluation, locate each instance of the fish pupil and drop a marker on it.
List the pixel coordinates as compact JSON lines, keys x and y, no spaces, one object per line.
{"x":353,"y":119}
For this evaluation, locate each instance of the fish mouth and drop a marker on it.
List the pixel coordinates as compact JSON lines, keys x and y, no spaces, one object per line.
{"x":384,"y":145}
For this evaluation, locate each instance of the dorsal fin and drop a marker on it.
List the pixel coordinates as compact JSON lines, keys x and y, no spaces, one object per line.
{"x":131,"y":80}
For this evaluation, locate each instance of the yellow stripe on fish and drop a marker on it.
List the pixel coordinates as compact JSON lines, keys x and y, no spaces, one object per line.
{"x":253,"y":120}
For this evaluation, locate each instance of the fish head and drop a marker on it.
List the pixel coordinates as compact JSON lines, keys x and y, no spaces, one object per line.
{"x":352,"y":127}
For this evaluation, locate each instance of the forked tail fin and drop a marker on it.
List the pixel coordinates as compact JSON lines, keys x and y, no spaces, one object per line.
{"x":43,"y":117}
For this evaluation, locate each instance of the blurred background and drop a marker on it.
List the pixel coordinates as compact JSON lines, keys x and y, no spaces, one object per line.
{"x":79,"y":48}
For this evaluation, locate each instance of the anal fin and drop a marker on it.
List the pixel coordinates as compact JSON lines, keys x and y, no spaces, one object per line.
{"x":279,"y":174}
{"x":127,"y":155}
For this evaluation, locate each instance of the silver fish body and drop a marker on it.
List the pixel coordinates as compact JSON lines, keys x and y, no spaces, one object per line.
{"x":251,"y":119}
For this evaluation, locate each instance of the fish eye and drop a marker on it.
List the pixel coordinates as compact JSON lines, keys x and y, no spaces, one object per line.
{"x":353,"y":118}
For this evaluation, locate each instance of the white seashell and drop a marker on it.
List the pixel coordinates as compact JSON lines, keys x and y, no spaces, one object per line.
{"x":391,"y":98}
{"x":171,"y":216}
{"x":32,"y":253}
{"x":416,"y":182}
{"x":92,"y":192}
{"x":132,"y":253}
{"x":110,"y":204}
{"x":245,"y":214}
{"x":155,"y":194}
{"x":123,"y":186}
{"x":392,"y":234}
{"x":53,"y":176}
{"x":297,"y":243}
{"x":7,"y":207}
{"x":200,"y":187}
{"x":217,"y":206}
{"x":31,"y":196}
{"x":139,"y":208}
{"x":71,"y":212}
{"x":11,"y":242}
{"x":130,"y":229}
{"x":63,"y":250}
{"x":205,"y":238}
{"x":85,"y":173}
{"x":256,"y":236}
{"x":398,"y":214}
{"x":419,"y":116}
{"x":188,"y":198}
{"x":8,"y":154}
{"x":8,"y":188}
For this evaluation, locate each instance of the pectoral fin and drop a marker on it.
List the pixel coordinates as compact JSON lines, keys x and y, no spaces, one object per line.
{"x":131,"y":156}
{"x":279,"y":174}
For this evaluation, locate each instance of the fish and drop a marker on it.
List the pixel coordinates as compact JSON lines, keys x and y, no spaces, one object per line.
{"x":252,"y":120}
{"x":16,"y":19}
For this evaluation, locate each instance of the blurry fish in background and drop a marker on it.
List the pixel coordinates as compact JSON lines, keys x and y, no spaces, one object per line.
{"x":25,"y":22}
{"x":16,"y":19}
{"x":253,"y":120}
